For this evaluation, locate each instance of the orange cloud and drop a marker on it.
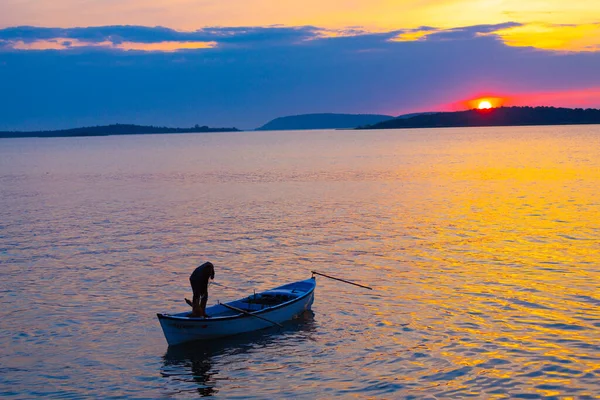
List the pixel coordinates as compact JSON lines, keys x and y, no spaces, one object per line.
{"x":57,"y":44}
{"x":579,"y":38}
{"x":66,"y":44}
{"x":166,"y":46}
{"x":412,"y":36}
{"x":585,"y":37}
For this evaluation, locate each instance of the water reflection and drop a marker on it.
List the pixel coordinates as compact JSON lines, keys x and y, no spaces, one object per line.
{"x":199,"y":366}
{"x":198,"y":359}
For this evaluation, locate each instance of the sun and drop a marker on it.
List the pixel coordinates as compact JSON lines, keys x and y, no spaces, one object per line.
{"x":484,"y":102}
{"x":484,"y":105}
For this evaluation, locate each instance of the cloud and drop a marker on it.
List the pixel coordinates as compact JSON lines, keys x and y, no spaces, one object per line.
{"x":463,"y":33}
{"x":553,"y":37}
{"x":150,"y":39}
{"x":71,"y":44}
{"x":559,"y":37}
{"x":562,"y":37}
{"x":469,"y":32}
{"x":251,"y":75}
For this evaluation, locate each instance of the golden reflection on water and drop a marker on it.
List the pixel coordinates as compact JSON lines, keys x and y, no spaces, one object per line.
{"x":506,"y":246}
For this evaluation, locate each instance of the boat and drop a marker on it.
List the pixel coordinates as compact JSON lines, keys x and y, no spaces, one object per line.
{"x":257,"y":311}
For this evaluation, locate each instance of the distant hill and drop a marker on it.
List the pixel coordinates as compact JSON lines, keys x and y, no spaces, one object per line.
{"x":116,"y":129}
{"x":404,"y":116}
{"x":322,"y":121}
{"x":503,"y":116}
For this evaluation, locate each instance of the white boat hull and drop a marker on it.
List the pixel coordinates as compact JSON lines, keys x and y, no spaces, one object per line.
{"x":181,"y":328}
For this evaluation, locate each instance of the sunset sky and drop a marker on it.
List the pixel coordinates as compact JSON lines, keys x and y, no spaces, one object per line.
{"x":68,"y":63}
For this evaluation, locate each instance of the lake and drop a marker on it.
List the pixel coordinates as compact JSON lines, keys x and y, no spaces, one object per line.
{"x":482,"y":246}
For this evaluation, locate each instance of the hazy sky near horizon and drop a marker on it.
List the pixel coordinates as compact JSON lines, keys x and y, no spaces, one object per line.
{"x":67,"y":63}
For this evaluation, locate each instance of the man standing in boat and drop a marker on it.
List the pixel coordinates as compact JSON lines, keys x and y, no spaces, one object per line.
{"x":199,"y":282}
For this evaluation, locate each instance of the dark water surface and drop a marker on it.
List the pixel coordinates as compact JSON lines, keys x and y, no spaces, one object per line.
{"x":483,"y":246}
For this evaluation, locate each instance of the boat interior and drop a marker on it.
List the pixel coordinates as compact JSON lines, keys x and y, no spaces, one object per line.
{"x":259,"y":301}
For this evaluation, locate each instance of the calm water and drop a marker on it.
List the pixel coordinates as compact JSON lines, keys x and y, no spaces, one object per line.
{"x":482,"y":245}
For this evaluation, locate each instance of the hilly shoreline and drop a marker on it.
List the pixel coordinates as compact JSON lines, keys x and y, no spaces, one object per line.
{"x":322,"y":121}
{"x":111,"y":130}
{"x":503,"y":116}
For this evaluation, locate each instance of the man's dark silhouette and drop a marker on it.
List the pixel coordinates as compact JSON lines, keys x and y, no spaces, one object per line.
{"x":199,"y":282}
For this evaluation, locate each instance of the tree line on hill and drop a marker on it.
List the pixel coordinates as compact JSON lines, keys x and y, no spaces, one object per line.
{"x":503,"y":116}
{"x":115,"y":129}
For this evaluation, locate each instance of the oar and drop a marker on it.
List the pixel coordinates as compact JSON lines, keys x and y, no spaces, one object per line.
{"x":342,"y":280}
{"x":249,"y":313}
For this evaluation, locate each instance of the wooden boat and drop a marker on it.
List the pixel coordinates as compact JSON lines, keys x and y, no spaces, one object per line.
{"x":257,"y":311}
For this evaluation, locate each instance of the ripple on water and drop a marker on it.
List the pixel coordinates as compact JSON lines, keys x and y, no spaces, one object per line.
{"x":481,"y":249}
